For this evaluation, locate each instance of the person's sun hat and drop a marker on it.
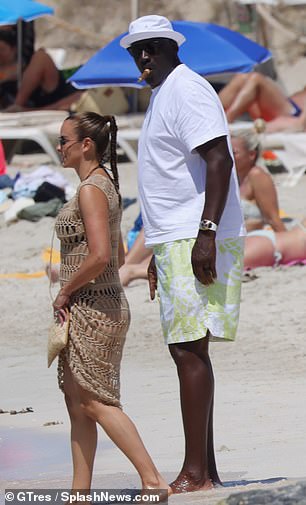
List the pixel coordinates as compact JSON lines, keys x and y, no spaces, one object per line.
{"x":151,"y":27}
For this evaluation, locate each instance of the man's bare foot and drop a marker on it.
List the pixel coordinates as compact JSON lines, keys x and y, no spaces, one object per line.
{"x":185,"y":483}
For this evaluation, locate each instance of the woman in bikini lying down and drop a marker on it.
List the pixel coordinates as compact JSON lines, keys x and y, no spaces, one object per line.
{"x":270,"y":248}
{"x":261,"y":97}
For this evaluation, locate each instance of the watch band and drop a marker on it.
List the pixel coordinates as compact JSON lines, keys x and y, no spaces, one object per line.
{"x":206,"y":224}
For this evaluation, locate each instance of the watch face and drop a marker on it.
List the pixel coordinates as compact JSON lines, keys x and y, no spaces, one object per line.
{"x":206,"y":224}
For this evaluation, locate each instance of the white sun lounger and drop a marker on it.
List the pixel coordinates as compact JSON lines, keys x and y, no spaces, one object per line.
{"x":20,"y":133}
{"x":40,"y":126}
{"x":43,"y":128}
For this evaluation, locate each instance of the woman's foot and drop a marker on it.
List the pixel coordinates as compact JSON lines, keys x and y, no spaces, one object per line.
{"x":186,"y":483}
{"x":160,"y":487}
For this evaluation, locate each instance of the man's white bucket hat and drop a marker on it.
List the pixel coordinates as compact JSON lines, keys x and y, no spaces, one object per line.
{"x":151,"y":27}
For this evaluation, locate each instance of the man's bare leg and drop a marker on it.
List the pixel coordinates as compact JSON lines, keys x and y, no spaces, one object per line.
{"x":197,"y":391}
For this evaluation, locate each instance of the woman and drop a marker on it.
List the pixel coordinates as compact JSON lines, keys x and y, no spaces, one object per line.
{"x":91,"y":252}
{"x":269,"y":248}
{"x":42,"y":85}
{"x":261,"y":97}
{"x":257,"y":190}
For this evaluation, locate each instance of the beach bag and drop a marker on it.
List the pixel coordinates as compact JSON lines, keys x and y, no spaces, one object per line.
{"x":58,"y":337}
{"x":102,"y":100}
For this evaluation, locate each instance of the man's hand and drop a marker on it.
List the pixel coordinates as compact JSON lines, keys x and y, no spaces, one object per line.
{"x":203,"y":258}
{"x":152,"y":277}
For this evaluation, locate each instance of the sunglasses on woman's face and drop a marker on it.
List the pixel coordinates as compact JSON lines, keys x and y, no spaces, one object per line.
{"x":151,"y":47}
{"x":63,"y":141}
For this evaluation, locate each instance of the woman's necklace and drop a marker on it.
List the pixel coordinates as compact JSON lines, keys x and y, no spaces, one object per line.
{"x":91,"y":171}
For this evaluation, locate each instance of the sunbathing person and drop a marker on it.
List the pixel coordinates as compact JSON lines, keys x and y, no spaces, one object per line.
{"x":261,"y":97}
{"x":257,"y":190}
{"x":269,"y":248}
{"x":42,"y":85}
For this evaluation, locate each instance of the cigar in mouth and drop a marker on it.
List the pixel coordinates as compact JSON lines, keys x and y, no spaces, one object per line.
{"x":144,"y":75}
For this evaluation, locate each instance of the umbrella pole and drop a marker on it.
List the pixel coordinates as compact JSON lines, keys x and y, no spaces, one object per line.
{"x":19,"y":51}
{"x":134,"y":9}
{"x":134,"y":15}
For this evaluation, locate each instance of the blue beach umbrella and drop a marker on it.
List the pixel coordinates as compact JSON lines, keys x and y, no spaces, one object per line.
{"x":209,"y":49}
{"x":27,"y":10}
{"x":16,"y":11}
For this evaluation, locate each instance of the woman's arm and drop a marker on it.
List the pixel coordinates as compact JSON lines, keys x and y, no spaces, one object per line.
{"x":265,"y":196}
{"x":94,"y":210}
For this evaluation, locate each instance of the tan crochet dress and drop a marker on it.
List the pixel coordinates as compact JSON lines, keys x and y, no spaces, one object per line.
{"x":99,"y":310}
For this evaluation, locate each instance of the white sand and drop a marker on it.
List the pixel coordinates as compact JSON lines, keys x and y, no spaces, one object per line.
{"x":260,"y":379}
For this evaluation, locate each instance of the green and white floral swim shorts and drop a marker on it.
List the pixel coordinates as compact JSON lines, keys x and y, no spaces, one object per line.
{"x":188,"y":308}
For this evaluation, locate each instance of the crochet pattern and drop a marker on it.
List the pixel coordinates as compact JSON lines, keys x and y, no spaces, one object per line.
{"x":99,"y":310}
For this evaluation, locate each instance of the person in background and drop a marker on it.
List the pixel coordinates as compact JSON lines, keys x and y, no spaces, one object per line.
{"x":42,"y":85}
{"x":261,"y":97}
{"x":190,"y":206}
{"x":88,"y":227}
{"x":257,"y":190}
{"x":267,"y":248}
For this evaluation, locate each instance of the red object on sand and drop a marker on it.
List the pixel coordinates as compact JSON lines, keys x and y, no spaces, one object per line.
{"x":269,"y":155}
{"x":2,"y":160}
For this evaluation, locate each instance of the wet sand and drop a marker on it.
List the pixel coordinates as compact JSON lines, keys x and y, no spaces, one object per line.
{"x":260,"y":379}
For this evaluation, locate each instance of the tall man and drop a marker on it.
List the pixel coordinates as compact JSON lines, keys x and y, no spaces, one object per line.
{"x":190,"y":207}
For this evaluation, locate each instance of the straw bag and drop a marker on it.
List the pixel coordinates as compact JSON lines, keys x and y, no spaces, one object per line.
{"x":58,"y":337}
{"x":58,"y":331}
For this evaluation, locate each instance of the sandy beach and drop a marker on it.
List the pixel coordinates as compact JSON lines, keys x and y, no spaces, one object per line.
{"x":260,"y":378}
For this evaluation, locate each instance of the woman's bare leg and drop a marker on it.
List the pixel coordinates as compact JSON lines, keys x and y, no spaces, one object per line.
{"x":41,"y":72}
{"x":232,"y":89}
{"x":83,"y":436}
{"x":262,"y":91}
{"x":130,"y":272}
{"x":123,"y":433}
{"x":138,"y":251}
{"x":136,"y":261}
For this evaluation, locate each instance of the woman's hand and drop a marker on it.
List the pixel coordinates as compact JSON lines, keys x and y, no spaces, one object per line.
{"x":60,"y":306}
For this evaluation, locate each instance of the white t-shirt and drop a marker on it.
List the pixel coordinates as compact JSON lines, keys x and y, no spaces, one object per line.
{"x":184,"y":113}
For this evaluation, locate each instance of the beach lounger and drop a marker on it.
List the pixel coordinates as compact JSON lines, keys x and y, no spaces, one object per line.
{"x":22,"y":133}
{"x":41,"y":127}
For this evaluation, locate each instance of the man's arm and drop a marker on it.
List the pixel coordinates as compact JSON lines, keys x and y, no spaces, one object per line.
{"x":219,"y":167}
